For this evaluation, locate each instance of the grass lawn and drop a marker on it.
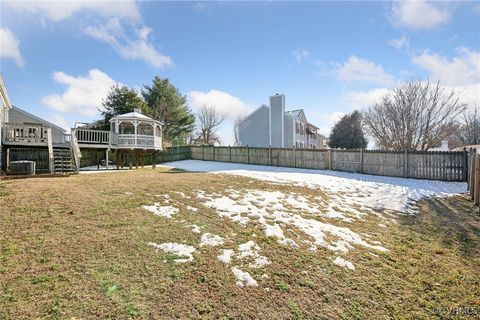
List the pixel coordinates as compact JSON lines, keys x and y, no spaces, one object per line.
{"x":77,"y":248}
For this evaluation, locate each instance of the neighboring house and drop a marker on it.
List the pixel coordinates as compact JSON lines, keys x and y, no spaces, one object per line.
{"x":4,"y":108}
{"x":272,"y":126}
{"x":24,"y":127}
{"x":443,"y":146}
{"x":24,"y":136}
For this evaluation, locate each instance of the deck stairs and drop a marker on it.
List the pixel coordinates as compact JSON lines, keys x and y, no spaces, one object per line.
{"x":63,"y":161}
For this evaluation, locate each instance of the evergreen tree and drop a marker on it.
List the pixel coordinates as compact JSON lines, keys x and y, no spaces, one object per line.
{"x":168,"y":105}
{"x":119,"y":100}
{"x":348,"y":132}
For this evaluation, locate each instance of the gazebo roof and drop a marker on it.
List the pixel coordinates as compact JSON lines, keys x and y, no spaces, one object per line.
{"x":135,"y":115}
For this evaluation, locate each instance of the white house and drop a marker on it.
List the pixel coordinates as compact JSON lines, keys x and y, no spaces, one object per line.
{"x":272,"y":126}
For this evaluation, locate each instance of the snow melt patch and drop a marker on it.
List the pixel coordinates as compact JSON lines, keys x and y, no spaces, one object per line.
{"x":267,"y":209}
{"x":193,"y":209}
{"x":181,"y":250}
{"x":251,"y":250}
{"x":343,"y":263}
{"x":195,"y":228}
{"x":243,"y":278}
{"x":212,"y":240}
{"x":162,"y":211}
{"x":342,"y":188}
{"x":226,"y":256}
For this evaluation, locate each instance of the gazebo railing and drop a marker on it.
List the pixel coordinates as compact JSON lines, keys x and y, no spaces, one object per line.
{"x":119,"y":140}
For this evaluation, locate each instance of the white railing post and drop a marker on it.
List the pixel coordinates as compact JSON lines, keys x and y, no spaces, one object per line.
{"x":50,"y":150}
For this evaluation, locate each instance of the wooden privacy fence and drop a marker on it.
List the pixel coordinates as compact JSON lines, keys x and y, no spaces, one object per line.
{"x":474,"y":175}
{"x":433,"y":165}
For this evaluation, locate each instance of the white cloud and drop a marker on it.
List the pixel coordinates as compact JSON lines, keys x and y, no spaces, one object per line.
{"x":83,"y":94}
{"x":128,"y":47}
{"x":401,"y":43}
{"x":300,"y":54}
{"x":463,"y":69}
{"x":361,"y":70}
{"x":9,"y":47}
{"x":60,"y":10}
{"x":364,"y":99}
{"x":228,"y":105}
{"x":419,"y":14}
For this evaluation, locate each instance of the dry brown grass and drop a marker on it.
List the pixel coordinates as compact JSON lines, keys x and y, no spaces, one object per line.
{"x":76,"y":248}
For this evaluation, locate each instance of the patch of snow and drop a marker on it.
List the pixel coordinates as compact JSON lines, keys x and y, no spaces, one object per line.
{"x":212,"y":240}
{"x":226,"y":256}
{"x":243,"y":278}
{"x":352,"y":189}
{"x":195,"y":228}
{"x":241,"y":210}
{"x":343,"y":263}
{"x":165,"y":211}
{"x":251,"y":250}
{"x":193,"y":209}
{"x":181,"y":250}
{"x":129,"y":193}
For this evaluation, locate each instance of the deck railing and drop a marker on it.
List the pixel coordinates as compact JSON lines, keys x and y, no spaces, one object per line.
{"x":92,"y":136}
{"x":25,"y":133}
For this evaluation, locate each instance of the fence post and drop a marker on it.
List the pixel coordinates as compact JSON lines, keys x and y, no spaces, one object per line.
{"x":406,"y":164}
{"x":465,"y":165}
{"x":476,"y":194}
{"x":361,"y":160}
{"x":248,"y":155}
{"x":213,"y":146}
{"x":203,"y":152}
{"x":230,"y":153}
{"x":270,"y":155}
{"x":294,"y":156}
{"x":330,"y":159}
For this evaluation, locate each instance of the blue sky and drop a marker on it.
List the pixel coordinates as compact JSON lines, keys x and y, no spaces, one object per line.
{"x":58,"y":59}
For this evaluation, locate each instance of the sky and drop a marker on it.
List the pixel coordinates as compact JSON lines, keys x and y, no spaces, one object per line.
{"x":59,"y":59}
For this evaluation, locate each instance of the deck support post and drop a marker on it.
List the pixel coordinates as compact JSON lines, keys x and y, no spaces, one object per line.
{"x":130,"y":160}
{"x":154,"y":160}
{"x":117,"y":156}
{"x":97,"y":160}
{"x":106,"y":159}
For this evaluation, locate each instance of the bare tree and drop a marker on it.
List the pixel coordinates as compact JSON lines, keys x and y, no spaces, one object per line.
{"x":416,"y":115}
{"x":209,"y":119}
{"x":469,"y":129}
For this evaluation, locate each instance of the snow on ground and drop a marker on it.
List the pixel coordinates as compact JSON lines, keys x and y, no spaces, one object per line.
{"x":181,"y":250}
{"x":193,"y":209}
{"x":163,"y":211}
{"x":226,"y":256}
{"x":351,"y":189}
{"x":243,"y":278}
{"x":250,"y":250}
{"x":212,"y":240}
{"x":343,"y":263}
{"x":269,"y":209}
{"x":195,"y":228}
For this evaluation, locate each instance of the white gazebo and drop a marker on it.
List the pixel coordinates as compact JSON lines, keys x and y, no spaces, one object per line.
{"x":135,"y":130}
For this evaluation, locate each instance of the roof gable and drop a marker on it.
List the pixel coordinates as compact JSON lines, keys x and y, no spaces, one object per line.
{"x":43,"y":121}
